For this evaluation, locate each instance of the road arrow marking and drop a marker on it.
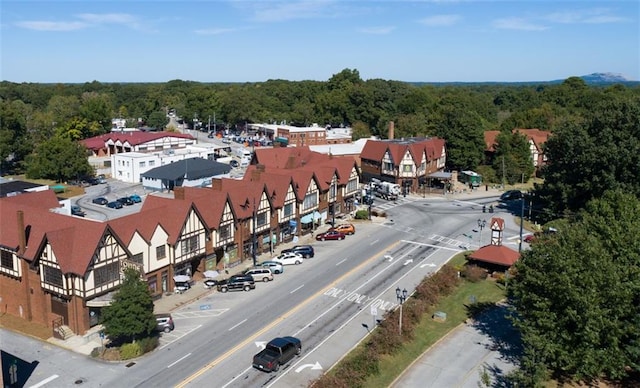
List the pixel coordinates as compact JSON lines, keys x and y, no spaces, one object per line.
{"x":427,"y":265}
{"x":315,"y":366}
{"x":408,"y":262}
{"x":388,"y":257}
{"x":261,"y":344}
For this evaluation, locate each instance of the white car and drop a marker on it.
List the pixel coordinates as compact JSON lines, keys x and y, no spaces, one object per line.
{"x":289,"y":258}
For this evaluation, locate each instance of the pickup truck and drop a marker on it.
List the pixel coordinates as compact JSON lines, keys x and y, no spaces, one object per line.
{"x":278,"y":352}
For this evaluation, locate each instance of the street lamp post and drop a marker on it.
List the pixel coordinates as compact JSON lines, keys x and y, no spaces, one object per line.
{"x":481,"y":225}
{"x":253,"y":235}
{"x":401,"y":295}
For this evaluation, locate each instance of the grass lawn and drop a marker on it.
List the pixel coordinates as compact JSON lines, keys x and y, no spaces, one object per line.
{"x":32,"y":329}
{"x":428,"y":332}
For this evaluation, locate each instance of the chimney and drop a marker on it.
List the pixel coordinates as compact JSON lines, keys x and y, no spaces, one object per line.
{"x":22,"y":233}
{"x":178,"y":192}
{"x":255,"y":175}
{"x":260,"y":167}
{"x":391,"y":130}
{"x":216,"y":184}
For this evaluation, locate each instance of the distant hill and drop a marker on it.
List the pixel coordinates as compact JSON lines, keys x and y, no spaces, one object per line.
{"x":595,"y":79}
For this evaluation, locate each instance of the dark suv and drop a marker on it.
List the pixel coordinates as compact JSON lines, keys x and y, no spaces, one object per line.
{"x":305,"y":251}
{"x":237,"y":282}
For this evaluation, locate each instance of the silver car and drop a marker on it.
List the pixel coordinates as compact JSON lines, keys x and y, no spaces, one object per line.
{"x":275,"y":267}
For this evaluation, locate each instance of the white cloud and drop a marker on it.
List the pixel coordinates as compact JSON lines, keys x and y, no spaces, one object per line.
{"x":280,"y":11}
{"x":377,"y":30}
{"x":440,"y":20}
{"x":52,"y":26}
{"x":518,"y":24}
{"x":590,"y":16}
{"x":113,"y":18}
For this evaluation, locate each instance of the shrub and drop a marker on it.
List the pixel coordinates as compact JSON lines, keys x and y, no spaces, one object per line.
{"x":362,"y":215}
{"x":148,"y":344}
{"x":131,"y":350}
{"x":474,"y":274}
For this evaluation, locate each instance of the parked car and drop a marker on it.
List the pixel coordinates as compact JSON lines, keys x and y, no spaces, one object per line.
{"x":100,"y":201}
{"x":278,"y":352}
{"x":77,"y":211}
{"x":275,"y":267}
{"x":330,"y":235}
{"x":237,"y":282}
{"x":511,"y":195}
{"x":305,"y":251}
{"x":135,"y":198}
{"x":125,"y":201}
{"x":115,"y":205}
{"x":259,"y":274}
{"x":289,"y":258}
{"x":210,"y":283}
{"x":164,"y":322}
{"x":345,"y":228}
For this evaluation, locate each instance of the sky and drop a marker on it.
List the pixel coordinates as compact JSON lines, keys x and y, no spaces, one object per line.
{"x":80,"y":41}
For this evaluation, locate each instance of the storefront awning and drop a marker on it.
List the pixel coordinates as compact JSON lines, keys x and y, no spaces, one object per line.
{"x":307,"y":219}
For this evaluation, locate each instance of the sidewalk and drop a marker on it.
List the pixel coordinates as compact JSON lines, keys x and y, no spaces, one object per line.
{"x":86,"y":343}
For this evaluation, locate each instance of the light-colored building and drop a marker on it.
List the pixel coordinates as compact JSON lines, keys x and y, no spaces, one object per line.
{"x":304,"y":136}
{"x":129,"y":166}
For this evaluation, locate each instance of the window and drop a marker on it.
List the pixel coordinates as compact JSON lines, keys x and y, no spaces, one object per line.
{"x":152,"y":163}
{"x":161,"y":252}
{"x":6,"y":259}
{"x":137,"y":258}
{"x":352,"y":185}
{"x":52,"y":276}
{"x":310,"y":200}
{"x":288,"y":209}
{"x":143,"y":164}
{"x":189,"y":245}
{"x":224,"y":232}
{"x":388,"y":166}
{"x":107,"y":273}
{"x":261,"y":219}
{"x":407,"y":168}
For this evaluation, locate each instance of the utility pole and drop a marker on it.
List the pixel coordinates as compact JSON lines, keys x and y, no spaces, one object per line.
{"x":253,"y":235}
{"x":521,"y":223}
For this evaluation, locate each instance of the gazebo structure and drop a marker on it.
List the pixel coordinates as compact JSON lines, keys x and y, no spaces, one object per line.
{"x":495,"y":257}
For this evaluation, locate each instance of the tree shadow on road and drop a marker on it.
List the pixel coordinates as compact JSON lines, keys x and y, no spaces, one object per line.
{"x":495,"y":323}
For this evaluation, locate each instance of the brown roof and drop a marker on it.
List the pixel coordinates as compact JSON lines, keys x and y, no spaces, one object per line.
{"x":376,"y":149}
{"x":496,"y":254}
{"x":74,"y":240}
{"x":490,"y":140}
{"x":209,"y":202}
{"x":537,"y":136}
{"x":133,"y":138}
{"x":171,"y":215}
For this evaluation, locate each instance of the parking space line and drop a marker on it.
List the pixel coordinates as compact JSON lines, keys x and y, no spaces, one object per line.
{"x":170,"y":342}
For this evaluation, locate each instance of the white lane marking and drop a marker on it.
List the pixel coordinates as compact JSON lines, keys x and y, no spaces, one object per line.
{"x":45,"y":381}
{"x":431,"y":245}
{"x":340,"y":262}
{"x":373,"y":242}
{"x":238,"y":324}
{"x":167,"y":344}
{"x":296,"y":289}
{"x":178,"y":360}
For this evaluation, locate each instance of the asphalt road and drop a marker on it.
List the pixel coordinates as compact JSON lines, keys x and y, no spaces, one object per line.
{"x":329,"y":302}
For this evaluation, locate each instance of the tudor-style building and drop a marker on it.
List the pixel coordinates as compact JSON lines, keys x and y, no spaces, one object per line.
{"x":407,"y":162}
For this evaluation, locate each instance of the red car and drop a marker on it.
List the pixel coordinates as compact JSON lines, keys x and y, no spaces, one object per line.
{"x":330,"y":235}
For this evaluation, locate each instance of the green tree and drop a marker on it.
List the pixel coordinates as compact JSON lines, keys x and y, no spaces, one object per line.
{"x":464,"y":135}
{"x":576,"y":294}
{"x":513,"y":158}
{"x":130,"y":315}
{"x":590,"y":156}
{"x":157,"y":119}
{"x":58,"y":158}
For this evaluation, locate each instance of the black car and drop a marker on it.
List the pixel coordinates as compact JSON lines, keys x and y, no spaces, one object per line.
{"x":100,"y":201}
{"x":305,"y":251}
{"x":511,"y":195}
{"x":237,"y":282}
{"x":77,"y":211}
{"x":125,"y":201}
{"x":115,"y":205}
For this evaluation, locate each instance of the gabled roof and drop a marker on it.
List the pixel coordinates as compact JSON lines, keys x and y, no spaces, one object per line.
{"x":133,"y":138}
{"x":537,"y":136}
{"x":277,"y":185}
{"x":210,"y":203}
{"x":74,"y":240}
{"x":397,"y":148}
{"x":171,"y":215}
{"x":490,"y":140}
{"x":193,"y":168}
{"x":496,"y":254}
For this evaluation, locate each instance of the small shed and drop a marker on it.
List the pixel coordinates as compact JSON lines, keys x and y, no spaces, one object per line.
{"x":494,"y":257}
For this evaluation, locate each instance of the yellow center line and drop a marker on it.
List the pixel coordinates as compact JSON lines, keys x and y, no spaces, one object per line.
{"x":274,"y":323}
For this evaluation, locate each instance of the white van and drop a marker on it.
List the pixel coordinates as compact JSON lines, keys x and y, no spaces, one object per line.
{"x":242,"y":153}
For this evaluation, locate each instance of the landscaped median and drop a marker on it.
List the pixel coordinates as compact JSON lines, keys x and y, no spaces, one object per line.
{"x":385,"y":354}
